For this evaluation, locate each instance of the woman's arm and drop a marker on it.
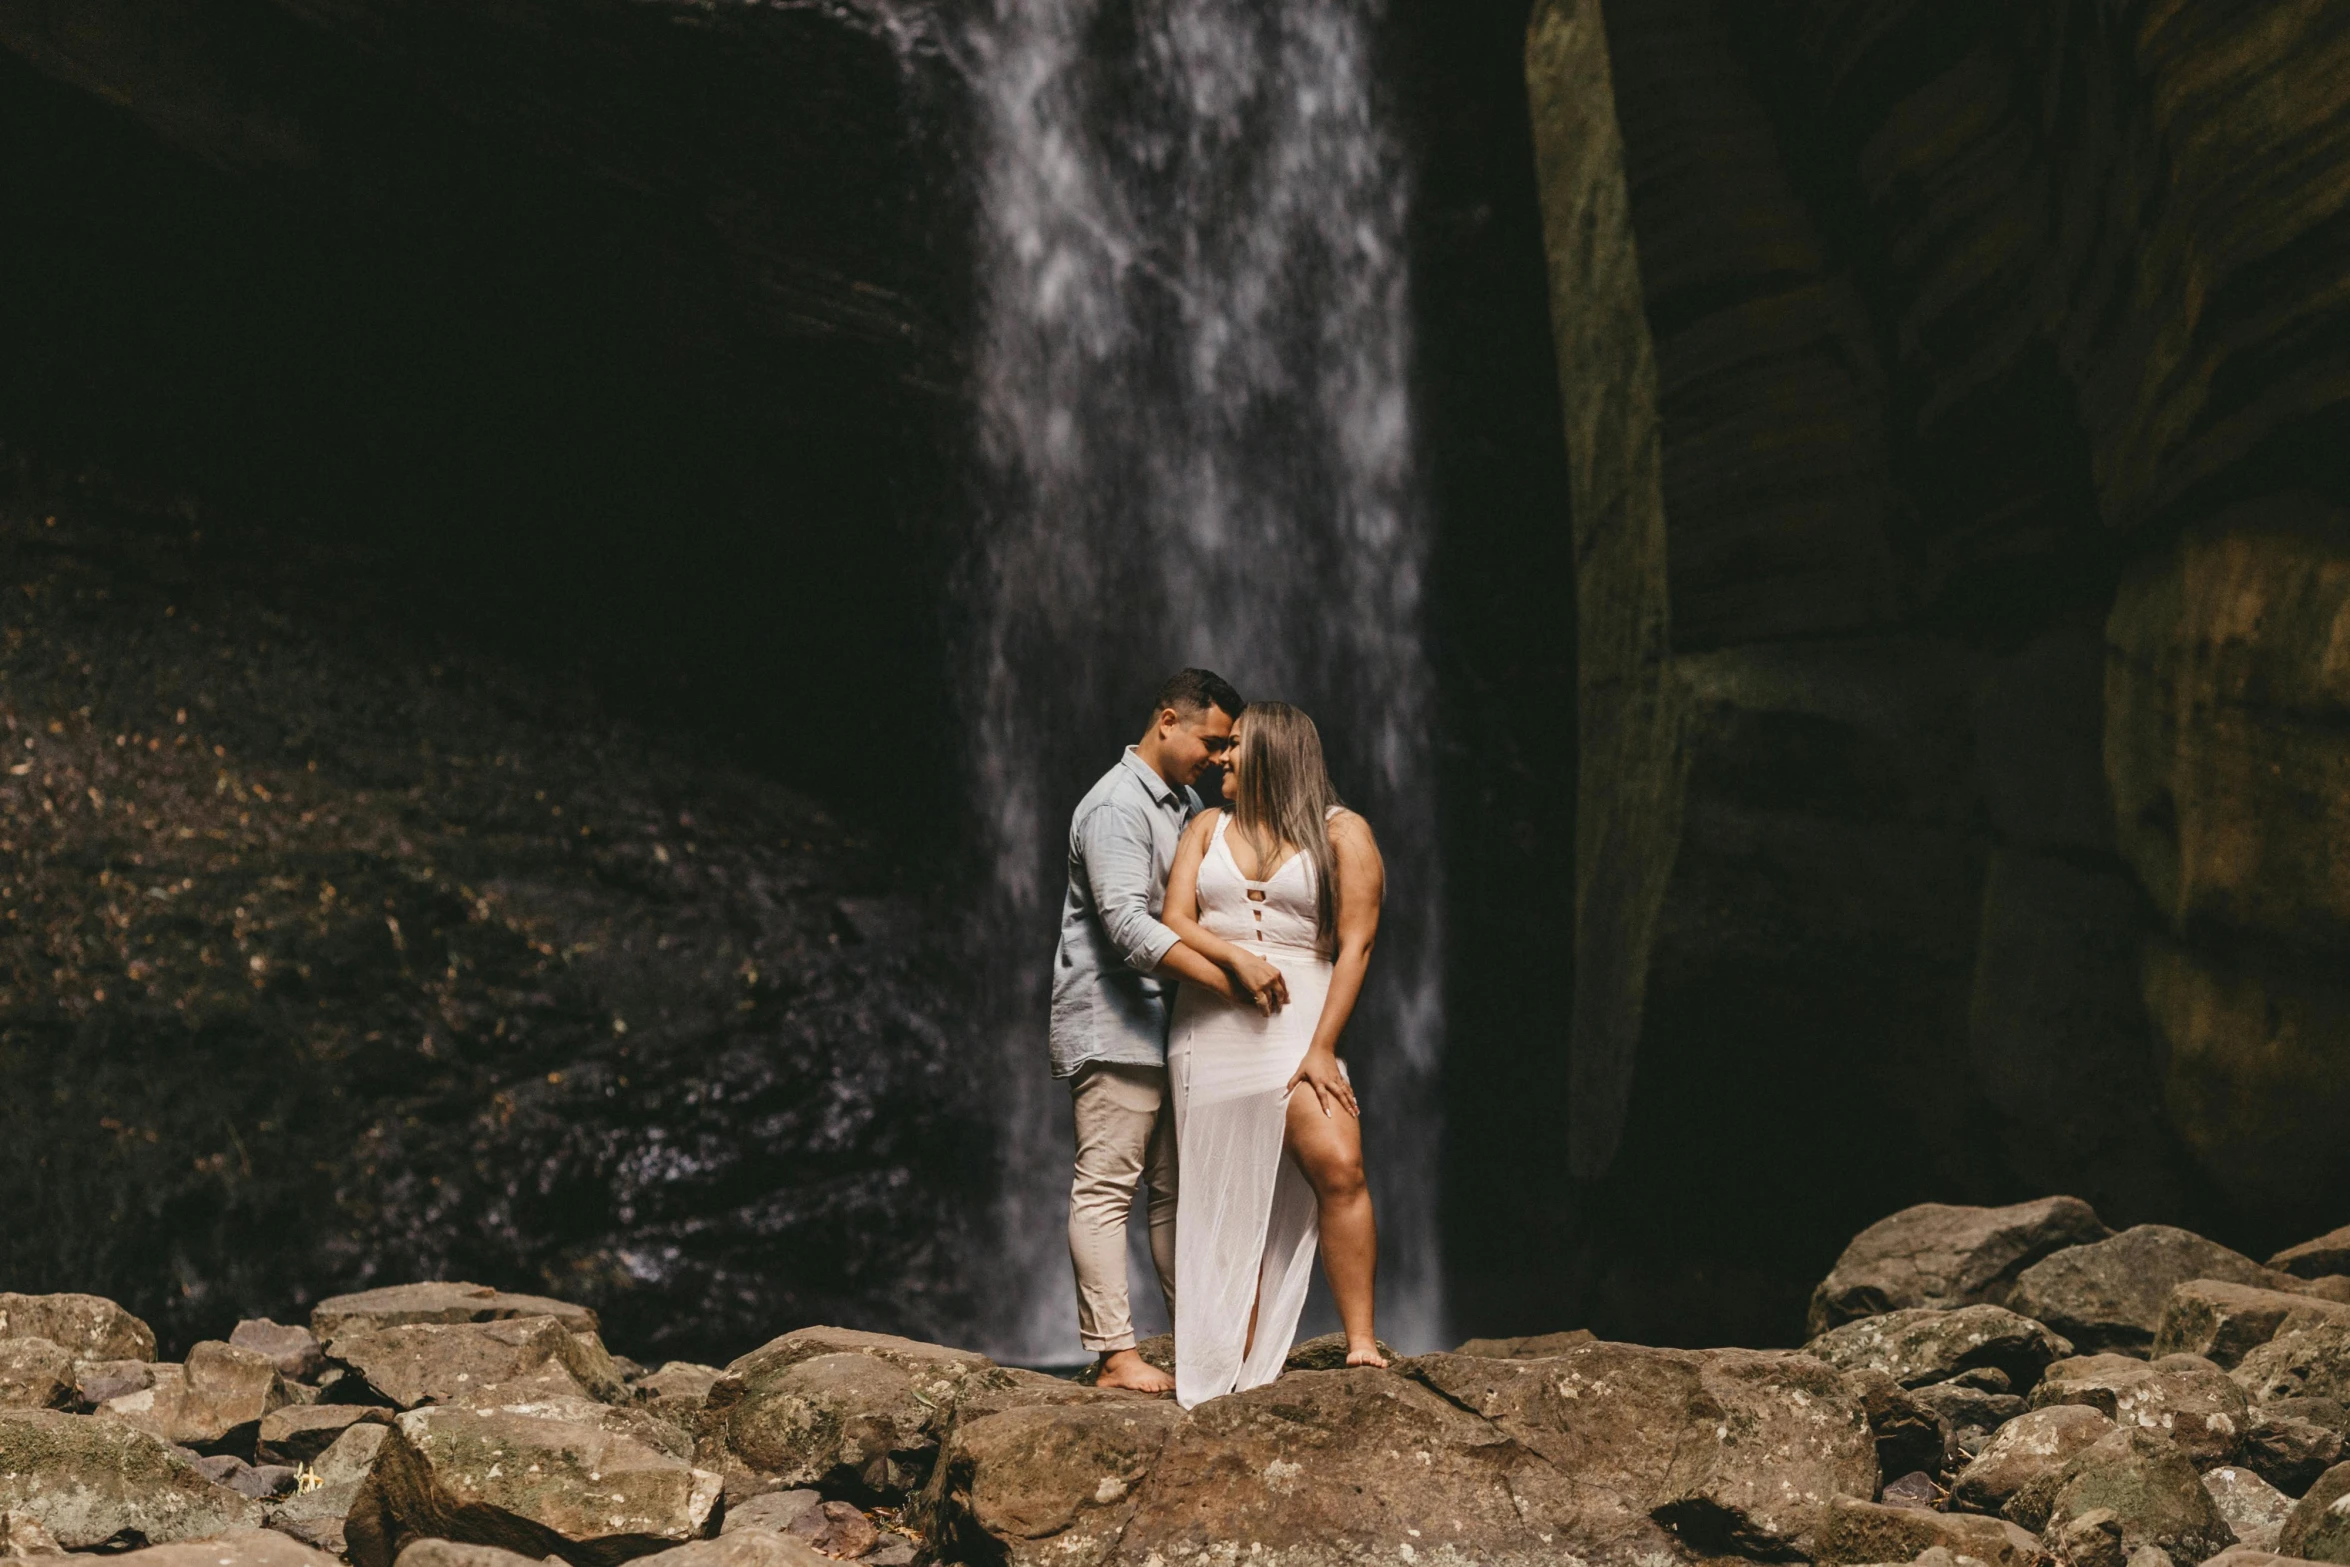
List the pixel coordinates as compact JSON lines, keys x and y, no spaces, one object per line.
{"x":1261,"y":980}
{"x":1362,"y":886}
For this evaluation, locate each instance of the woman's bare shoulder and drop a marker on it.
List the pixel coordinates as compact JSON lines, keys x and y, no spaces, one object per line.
{"x":1202,"y":824}
{"x":1349,"y":830}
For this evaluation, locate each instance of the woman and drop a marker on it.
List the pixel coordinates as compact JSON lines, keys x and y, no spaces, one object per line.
{"x":1282,"y":891}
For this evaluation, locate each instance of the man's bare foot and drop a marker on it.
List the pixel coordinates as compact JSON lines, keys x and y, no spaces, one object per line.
{"x":1366,"y":1354}
{"x":1126,"y":1368}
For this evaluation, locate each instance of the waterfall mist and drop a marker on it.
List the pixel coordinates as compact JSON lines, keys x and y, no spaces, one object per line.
{"x":1191,"y":379}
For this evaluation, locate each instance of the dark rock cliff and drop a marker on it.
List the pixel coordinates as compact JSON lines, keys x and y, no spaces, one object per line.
{"x":1956,"y":408}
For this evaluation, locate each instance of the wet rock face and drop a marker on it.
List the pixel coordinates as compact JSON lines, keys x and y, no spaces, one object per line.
{"x":484,"y":983}
{"x":1866,"y":443}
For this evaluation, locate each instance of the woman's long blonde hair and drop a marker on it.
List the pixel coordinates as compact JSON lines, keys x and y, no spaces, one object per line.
{"x":1285,"y":798}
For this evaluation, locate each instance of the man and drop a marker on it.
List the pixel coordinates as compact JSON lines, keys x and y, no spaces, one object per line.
{"x":1113,"y":986}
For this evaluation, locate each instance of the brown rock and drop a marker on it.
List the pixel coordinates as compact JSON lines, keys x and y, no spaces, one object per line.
{"x":2182,"y":1397}
{"x":2110,"y":1295}
{"x":2245,"y":1556}
{"x":91,"y":1481}
{"x":2254,"y":1509}
{"x":1962,"y":1406}
{"x":685,"y":1394}
{"x":224,"y":1393}
{"x":772,"y":1510}
{"x":2328,"y":1254}
{"x":835,"y":1529}
{"x":399,"y":1305}
{"x":1534,"y":1346}
{"x":738,"y":1548}
{"x":499,"y":1361}
{"x":1727,"y":1447}
{"x":2309,"y":1358}
{"x":2291,"y":1441}
{"x":34,"y":1374}
{"x":87,"y":1327}
{"x":1333,"y":1466}
{"x":538,"y":1486}
{"x":1909,"y":1435}
{"x":1852,"y":1530}
{"x":294,"y":1351}
{"x":449,"y":1553}
{"x":300,"y":1432}
{"x":2226,"y":1322}
{"x":1920,"y":1345}
{"x":2031,"y":1447}
{"x":235,"y":1548}
{"x":2318,"y":1528}
{"x":845,"y":1410}
{"x":1939,"y":1255}
{"x":2150,"y":1492}
{"x":1046,"y":1482}
{"x":21,"y":1535}
{"x":319,"y":1511}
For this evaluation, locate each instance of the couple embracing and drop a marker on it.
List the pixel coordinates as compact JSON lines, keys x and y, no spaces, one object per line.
{"x":1209,"y":959}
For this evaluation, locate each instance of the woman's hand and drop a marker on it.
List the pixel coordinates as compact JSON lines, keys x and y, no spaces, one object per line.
{"x":1262,"y":981}
{"x":1321,"y":1072}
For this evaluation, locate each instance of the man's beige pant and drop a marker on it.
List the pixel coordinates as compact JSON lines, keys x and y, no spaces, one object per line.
{"x":1125,"y":1130}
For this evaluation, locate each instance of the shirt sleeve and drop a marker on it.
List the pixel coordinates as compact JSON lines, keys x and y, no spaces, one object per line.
{"x":1119,"y":870}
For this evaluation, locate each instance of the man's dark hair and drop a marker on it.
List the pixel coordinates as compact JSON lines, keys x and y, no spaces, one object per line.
{"x":1191,"y":691}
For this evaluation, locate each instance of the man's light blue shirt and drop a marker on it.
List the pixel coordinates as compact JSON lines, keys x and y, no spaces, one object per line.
{"x":1107,"y":1005}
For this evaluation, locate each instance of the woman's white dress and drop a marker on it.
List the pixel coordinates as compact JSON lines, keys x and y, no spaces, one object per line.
{"x":1246,"y":1223}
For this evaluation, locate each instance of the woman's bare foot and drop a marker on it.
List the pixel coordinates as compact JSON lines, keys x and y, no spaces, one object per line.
{"x":1366,"y":1354}
{"x":1127,"y":1368}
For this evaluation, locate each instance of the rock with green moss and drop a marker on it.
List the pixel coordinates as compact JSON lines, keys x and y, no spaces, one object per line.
{"x":500,"y":1361}
{"x":2149,"y":1489}
{"x":2318,"y":1528}
{"x":91,"y":1482}
{"x":87,"y":1327}
{"x":34,"y":1374}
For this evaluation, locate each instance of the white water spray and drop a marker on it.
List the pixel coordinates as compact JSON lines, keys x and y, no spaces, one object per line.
{"x":1191,"y":380}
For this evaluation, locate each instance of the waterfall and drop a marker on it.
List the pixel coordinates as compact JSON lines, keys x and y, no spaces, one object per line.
{"x":1191,"y":378}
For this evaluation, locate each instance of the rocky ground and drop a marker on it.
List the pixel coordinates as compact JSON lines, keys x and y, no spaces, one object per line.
{"x":2002,"y":1386}
{"x":328,"y":956}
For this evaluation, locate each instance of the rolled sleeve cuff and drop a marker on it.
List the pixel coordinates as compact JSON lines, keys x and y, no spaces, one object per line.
{"x":1157,"y":942}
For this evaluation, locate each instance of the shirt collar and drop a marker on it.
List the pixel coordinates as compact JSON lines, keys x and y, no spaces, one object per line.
{"x":1163,"y":792}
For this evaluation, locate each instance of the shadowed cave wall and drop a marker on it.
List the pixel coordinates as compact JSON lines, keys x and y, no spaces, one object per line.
{"x":1955,"y":402}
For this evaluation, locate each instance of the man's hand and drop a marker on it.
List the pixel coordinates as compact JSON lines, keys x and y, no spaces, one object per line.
{"x":1262,"y":982}
{"x":1320,"y":1071}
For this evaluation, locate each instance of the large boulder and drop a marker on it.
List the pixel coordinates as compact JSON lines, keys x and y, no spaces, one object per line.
{"x":34,"y":1374}
{"x":2142,"y":1488}
{"x":844,"y":1410}
{"x":400,"y":1305}
{"x":539,"y":1486}
{"x":498,"y":1361}
{"x":2183,"y":1397}
{"x":2226,"y":1322}
{"x":1531,"y":1346}
{"x":1941,"y":1255}
{"x":319,"y":1511}
{"x":1046,"y":1482}
{"x":2291,"y":1441}
{"x":1921,"y":1345}
{"x":1324,"y":1467}
{"x":2329,"y":1254}
{"x":2309,"y":1358}
{"x":87,"y":1327}
{"x":2254,"y":1509}
{"x":2110,"y":1294}
{"x":2030,"y":1447}
{"x":1725,"y":1448}
{"x":295,"y":1351}
{"x":2318,"y":1528}
{"x":93,"y":1482}
{"x":225,"y":1393}
{"x":236,"y":1548}
{"x":1852,"y":1530}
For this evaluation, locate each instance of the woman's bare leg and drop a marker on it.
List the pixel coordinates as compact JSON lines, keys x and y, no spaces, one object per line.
{"x":1329,"y":1149}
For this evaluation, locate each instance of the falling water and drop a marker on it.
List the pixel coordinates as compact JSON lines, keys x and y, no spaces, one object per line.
{"x":1191,"y":379}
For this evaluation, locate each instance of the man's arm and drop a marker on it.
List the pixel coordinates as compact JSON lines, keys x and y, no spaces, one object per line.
{"x":1118,"y":869}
